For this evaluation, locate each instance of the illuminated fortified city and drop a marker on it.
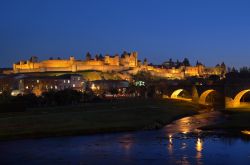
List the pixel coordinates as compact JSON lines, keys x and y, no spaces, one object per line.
{"x":126,"y":63}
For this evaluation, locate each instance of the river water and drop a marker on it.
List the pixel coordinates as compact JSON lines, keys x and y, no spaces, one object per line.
{"x":178,"y":143}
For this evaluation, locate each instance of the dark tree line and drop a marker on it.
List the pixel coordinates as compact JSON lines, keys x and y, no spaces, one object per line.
{"x":236,"y":74}
{"x":51,"y":98}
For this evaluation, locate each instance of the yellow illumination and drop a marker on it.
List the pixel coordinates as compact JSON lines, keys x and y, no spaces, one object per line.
{"x":199,"y":145}
{"x":246,"y":132}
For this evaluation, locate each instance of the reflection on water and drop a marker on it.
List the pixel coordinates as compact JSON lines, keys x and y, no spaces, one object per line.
{"x":199,"y":145}
{"x":191,"y":124}
{"x":126,"y":142}
{"x":199,"y":148}
{"x":166,"y":146}
{"x":170,"y":144}
{"x":246,"y":132}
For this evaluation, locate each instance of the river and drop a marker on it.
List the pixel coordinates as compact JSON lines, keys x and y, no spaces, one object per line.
{"x":177,"y":143}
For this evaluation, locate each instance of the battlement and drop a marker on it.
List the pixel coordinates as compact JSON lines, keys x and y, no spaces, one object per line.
{"x":127,"y":62}
{"x":108,"y":63}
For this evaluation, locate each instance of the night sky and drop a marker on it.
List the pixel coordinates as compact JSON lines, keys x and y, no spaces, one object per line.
{"x":210,"y":31}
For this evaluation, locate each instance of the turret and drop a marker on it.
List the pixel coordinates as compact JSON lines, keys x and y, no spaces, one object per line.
{"x":72,"y":58}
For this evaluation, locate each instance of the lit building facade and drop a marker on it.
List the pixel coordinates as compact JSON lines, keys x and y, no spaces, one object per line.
{"x":40,"y":84}
{"x":126,"y":63}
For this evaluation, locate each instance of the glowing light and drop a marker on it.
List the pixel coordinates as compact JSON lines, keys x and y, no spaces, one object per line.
{"x":170,"y":139}
{"x":199,"y":145}
{"x":246,"y":132}
{"x":176,"y":93}
{"x":204,"y":95}
{"x":93,"y":87}
{"x":140,"y":83}
{"x":16,"y":93}
{"x":236,"y":101}
{"x":170,"y":144}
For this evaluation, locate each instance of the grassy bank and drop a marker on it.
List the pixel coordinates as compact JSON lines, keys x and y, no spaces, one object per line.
{"x":123,"y":115}
{"x":236,"y":121}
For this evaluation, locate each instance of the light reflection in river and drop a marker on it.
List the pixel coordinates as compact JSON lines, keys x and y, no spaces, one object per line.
{"x":199,"y":148}
{"x":170,"y":144}
{"x":199,"y":145}
{"x":126,"y":142}
{"x":166,"y":146}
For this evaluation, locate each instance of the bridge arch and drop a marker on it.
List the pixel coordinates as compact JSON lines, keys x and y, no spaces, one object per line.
{"x":176,"y":94}
{"x":238,"y":97}
{"x":204,"y":95}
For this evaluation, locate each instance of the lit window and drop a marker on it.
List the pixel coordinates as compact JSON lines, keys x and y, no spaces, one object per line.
{"x":55,"y":87}
{"x":74,"y":85}
{"x":37,"y":81}
{"x":64,"y":81}
{"x":68,"y":81}
{"x":93,"y":87}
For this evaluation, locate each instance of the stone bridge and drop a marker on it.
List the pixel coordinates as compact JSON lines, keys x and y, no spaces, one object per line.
{"x":227,"y":95}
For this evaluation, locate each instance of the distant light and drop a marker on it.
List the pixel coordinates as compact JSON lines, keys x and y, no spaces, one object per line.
{"x":246,"y":132}
{"x":93,"y":87}
{"x":15,"y":93}
{"x":199,"y":144}
{"x":139,"y":83}
{"x":74,"y":85}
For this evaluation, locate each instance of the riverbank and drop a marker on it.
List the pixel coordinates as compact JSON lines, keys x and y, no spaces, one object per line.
{"x":237,"y":120}
{"x":120,"y":115}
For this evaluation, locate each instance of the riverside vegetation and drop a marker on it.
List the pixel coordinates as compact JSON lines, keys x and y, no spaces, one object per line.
{"x":88,"y":118}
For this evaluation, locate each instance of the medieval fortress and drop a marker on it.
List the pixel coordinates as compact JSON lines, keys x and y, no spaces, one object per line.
{"x":127,"y":63}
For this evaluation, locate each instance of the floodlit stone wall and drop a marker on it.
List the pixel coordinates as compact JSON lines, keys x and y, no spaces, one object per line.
{"x":128,"y":61}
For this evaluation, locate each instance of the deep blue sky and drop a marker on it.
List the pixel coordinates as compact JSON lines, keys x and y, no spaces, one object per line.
{"x":210,"y":31}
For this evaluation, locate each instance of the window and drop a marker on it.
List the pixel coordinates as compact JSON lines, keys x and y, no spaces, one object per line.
{"x":74,"y":85}
{"x":68,"y":81}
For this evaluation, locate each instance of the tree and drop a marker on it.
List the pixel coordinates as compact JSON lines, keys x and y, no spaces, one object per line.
{"x":96,"y":57}
{"x":100,"y":56}
{"x":88,"y":56}
{"x":186,"y":62}
{"x":234,"y":70}
{"x":145,"y":61}
{"x":113,"y":91}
